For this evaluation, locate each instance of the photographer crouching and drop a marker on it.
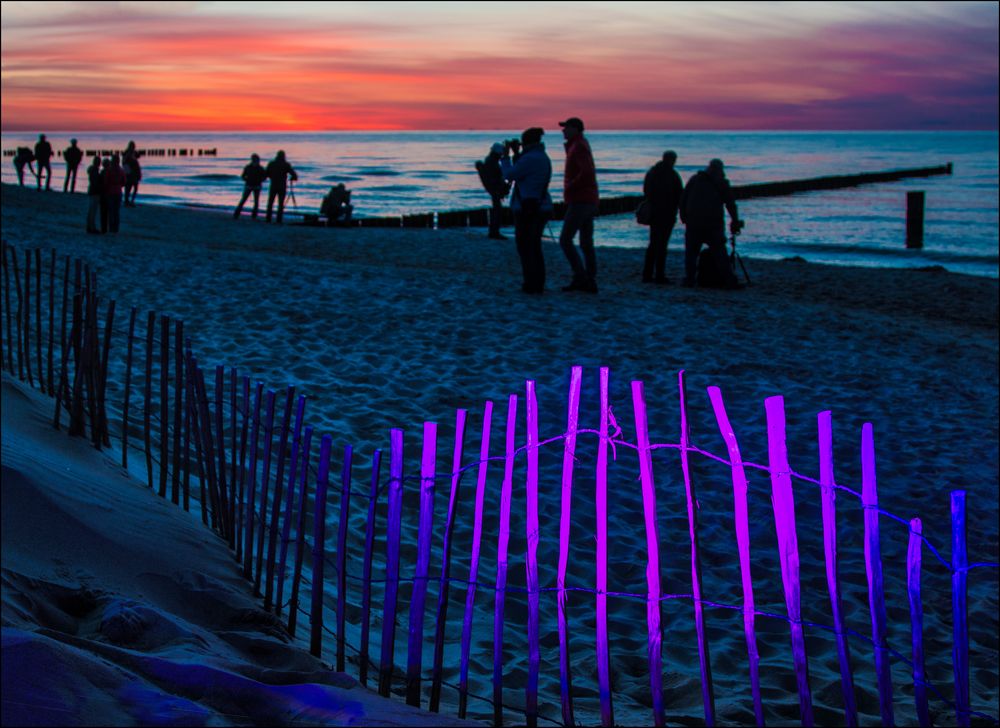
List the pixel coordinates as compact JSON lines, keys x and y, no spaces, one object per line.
{"x":530,"y":170}
{"x":703,"y":201}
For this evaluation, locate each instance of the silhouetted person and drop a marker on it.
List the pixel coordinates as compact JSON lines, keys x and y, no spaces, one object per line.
{"x":43,"y":153}
{"x":133,"y":173}
{"x":580,"y":194}
{"x":94,"y":189}
{"x":530,"y":171}
{"x":278,"y":172}
{"x":23,"y":158}
{"x":705,"y":197}
{"x":114,"y":183}
{"x":105,"y":166}
{"x":493,"y":181}
{"x":253,"y":178}
{"x":662,"y":189}
{"x":73,"y":155}
{"x":337,"y":205}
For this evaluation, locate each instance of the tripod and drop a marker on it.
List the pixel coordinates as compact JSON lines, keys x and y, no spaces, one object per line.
{"x":735,"y":257}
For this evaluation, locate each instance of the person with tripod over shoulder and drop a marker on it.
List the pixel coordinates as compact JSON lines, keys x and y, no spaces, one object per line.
{"x":278,"y":172}
{"x":705,"y":197}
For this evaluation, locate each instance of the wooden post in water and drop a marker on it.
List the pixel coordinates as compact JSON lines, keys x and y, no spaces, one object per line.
{"x":418,"y":598}
{"x":915,"y":219}
{"x":319,"y":539}
{"x":913,"y":562}
{"x":392,"y":529}
{"x":960,"y":607}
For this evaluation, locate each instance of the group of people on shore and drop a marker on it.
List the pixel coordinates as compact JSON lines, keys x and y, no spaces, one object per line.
{"x":523,"y":169}
{"x":112,"y":181}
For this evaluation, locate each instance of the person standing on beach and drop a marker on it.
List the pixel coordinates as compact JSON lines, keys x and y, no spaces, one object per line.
{"x":105,"y":166}
{"x":73,"y":156}
{"x":531,"y":172}
{"x":94,"y":189}
{"x":253,"y":178}
{"x":580,"y":194}
{"x":493,"y":181}
{"x":705,"y":197}
{"x":23,"y":157}
{"x":662,"y":189}
{"x":114,"y":183}
{"x":43,"y":153}
{"x":133,"y":173}
{"x":278,"y":171}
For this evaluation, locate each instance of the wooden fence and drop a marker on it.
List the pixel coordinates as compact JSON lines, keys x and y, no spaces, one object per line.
{"x":246,"y":454}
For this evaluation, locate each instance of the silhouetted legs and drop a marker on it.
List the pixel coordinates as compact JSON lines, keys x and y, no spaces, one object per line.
{"x":656,"y":252}
{"x":256,"y":201}
{"x":529,"y":223}
{"x":114,"y":212}
{"x":580,"y":218}
{"x":271,"y":194}
{"x":495,"y":215}
{"x":69,"y":185}
{"x":92,"y":213}
{"x":715,"y":239}
{"x":48,"y":177}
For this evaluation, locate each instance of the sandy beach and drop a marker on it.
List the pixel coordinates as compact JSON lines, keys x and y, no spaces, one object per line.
{"x":390,"y":328}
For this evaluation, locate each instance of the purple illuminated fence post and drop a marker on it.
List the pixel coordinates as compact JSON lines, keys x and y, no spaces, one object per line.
{"x":531,"y":555}
{"x":279,"y":483}
{"x":241,"y":507}
{"x":873,"y":569}
{"x":653,"y":611}
{"x":443,"y":587}
{"x":175,"y":481}
{"x":477,"y":533}
{"x":319,"y":538}
{"x":601,"y":501}
{"x":707,"y":693}
{"x":503,"y":541}
{"x":286,"y":526}
{"x":565,"y":521}
{"x":366,"y":579}
{"x":783,"y":501}
{"x":252,"y":484}
{"x":265,"y":479}
{"x":300,"y":532}
{"x":393,"y":525}
{"x":742,"y":525}
{"x":419,"y":596}
{"x":164,"y":401}
{"x":913,"y":563}
{"x":960,"y":607}
{"x":829,"y":496}
{"x":343,"y":516}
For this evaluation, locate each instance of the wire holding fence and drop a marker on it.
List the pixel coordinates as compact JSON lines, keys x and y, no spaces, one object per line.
{"x":227,"y":438}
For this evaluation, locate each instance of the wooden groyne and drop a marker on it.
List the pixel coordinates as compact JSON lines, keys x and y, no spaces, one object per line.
{"x":479,"y":217}
{"x":168,"y":152}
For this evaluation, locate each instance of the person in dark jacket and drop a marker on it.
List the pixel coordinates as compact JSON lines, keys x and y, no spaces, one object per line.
{"x":705,"y":197}
{"x":493,"y":182}
{"x":105,"y":165}
{"x":278,"y":171}
{"x":336,"y":206}
{"x":662,"y":189}
{"x":23,"y":158}
{"x":43,"y":153}
{"x":133,"y":174}
{"x":531,"y":172}
{"x":580,"y":194}
{"x":114,"y":183}
{"x":94,"y":188}
{"x":73,"y":156}
{"x":253,"y":178}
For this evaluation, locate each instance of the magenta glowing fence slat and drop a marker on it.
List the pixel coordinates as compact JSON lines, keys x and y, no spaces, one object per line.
{"x":601,"y":501}
{"x":477,"y":533}
{"x":319,"y":542}
{"x":418,"y":598}
{"x":366,"y":580}
{"x":503,"y":541}
{"x":704,"y":659}
{"x":343,"y":516}
{"x":565,"y":512}
{"x":531,"y":555}
{"x":241,"y":495}
{"x":960,"y":607}
{"x":741,"y":519}
{"x":286,"y":526}
{"x":653,"y":611}
{"x":300,"y":532}
{"x":252,"y":484}
{"x":829,"y":497}
{"x":442,"y":606}
{"x":265,"y":474}
{"x":279,"y":484}
{"x":913,"y":563}
{"x":234,"y":452}
{"x":393,"y":525}
{"x":220,"y":437}
{"x":873,"y":570}
{"x":783,"y":501}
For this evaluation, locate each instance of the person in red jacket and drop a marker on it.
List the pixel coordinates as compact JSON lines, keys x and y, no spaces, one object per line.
{"x":580,"y":194}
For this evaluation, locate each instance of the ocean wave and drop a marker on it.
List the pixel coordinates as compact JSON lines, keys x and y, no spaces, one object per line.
{"x":213,"y":177}
{"x":340,"y":178}
{"x":376,"y":172}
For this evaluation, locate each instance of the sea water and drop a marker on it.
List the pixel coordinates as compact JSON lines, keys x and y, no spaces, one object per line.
{"x":395,"y":173}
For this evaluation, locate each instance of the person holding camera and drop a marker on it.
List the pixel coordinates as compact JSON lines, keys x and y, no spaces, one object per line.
{"x":494,"y":184}
{"x":662,"y":188}
{"x":530,"y":171}
{"x":580,"y":194}
{"x":705,"y":197}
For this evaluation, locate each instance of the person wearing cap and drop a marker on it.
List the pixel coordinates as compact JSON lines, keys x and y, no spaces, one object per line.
{"x":493,"y":181}
{"x":662,"y":189}
{"x":530,"y":171}
{"x":253,"y":177}
{"x":43,"y":153}
{"x":73,"y":156}
{"x":580,"y":194}
{"x":705,"y":197}
{"x":278,"y":171}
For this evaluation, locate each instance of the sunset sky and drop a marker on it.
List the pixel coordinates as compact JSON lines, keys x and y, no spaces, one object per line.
{"x":189,"y":66}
